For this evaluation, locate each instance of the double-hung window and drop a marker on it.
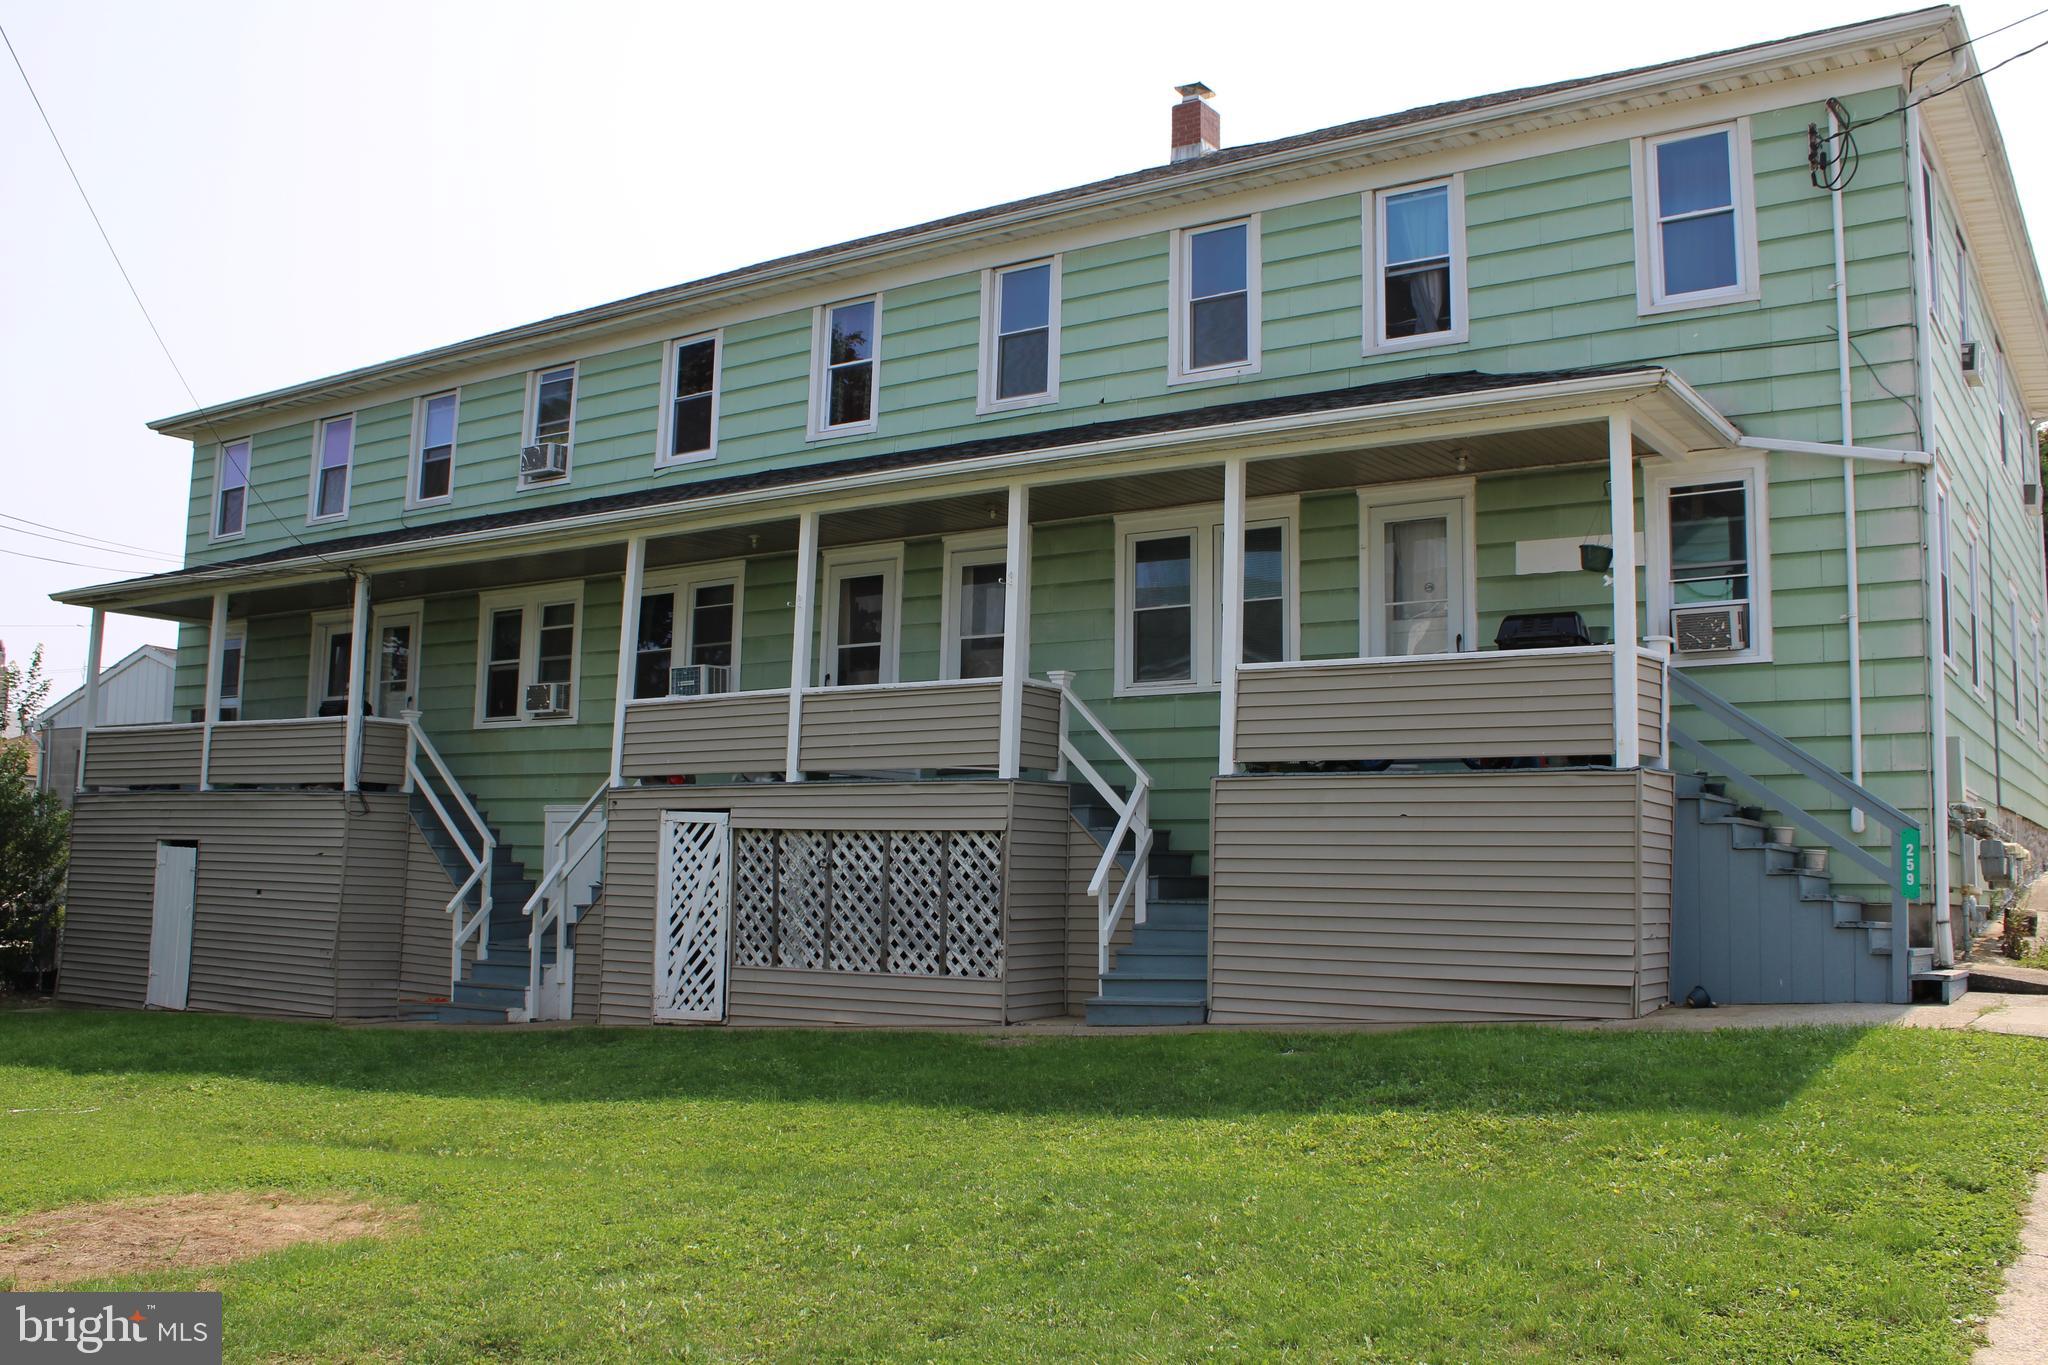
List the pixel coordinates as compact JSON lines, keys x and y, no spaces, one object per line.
{"x":845,"y":367}
{"x":1170,"y":595}
{"x":528,"y":637}
{"x":1709,"y":549}
{"x":2012,"y":641}
{"x":434,"y":460}
{"x":688,"y":642}
{"x":231,"y":502}
{"x":1417,"y":287}
{"x":1215,"y":319}
{"x":1976,"y":586}
{"x":1944,"y":553}
{"x":1020,"y":359}
{"x":690,"y":420}
{"x":1695,"y":219}
{"x":1962,"y":288}
{"x":232,"y":651}
{"x":550,"y":422}
{"x":333,"y":450}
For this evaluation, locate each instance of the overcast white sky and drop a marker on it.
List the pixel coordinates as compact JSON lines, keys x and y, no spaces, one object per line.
{"x":299,"y":189}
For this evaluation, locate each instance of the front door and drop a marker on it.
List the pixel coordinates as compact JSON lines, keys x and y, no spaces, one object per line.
{"x":170,"y":926}
{"x":1417,"y":595}
{"x":397,"y":635}
{"x":860,"y":623}
{"x":691,"y":911}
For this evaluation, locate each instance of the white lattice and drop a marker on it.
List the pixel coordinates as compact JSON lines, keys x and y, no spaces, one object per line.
{"x":917,"y":902}
{"x":974,"y":905}
{"x":802,"y":897}
{"x":859,"y":878}
{"x":695,"y":889}
{"x":753,"y":898}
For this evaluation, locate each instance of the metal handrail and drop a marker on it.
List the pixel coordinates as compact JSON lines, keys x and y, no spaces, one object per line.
{"x":555,"y":914}
{"x":1133,"y":822}
{"x":477,"y":926}
{"x":1854,"y":794}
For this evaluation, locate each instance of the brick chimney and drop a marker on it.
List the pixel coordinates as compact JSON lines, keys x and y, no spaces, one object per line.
{"x":1197,"y":128}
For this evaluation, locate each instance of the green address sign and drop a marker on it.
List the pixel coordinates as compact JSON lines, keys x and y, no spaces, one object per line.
{"x":1909,"y":864}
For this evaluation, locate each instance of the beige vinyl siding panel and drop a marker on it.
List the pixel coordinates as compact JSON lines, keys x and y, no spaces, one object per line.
{"x":103,"y":955}
{"x":383,"y":752}
{"x":730,"y":734}
{"x":1533,"y":904}
{"x":1653,"y":962}
{"x":370,"y":941}
{"x":143,"y":756}
{"x":1493,"y":705}
{"x":1084,"y":977}
{"x":945,"y":725}
{"x":1039,"y":746}
{"x":278,"y":753}
{"x":1650,"y":707}
{"x":424,"y":936}
{"x":809,"y":998}
{"x":1035,"y":903}
{"x":587,"y":978}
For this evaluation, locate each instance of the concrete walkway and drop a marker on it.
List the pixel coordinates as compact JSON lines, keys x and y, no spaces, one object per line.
{"x":1985,"y":1011}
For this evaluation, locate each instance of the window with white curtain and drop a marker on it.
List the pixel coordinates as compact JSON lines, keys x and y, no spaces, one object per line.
{"x":1417,"y":285}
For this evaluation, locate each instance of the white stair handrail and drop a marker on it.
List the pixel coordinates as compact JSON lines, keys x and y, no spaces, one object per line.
{"x":554,"y":914}
{"x":476,"y":926}
{"x":1134,"y":821}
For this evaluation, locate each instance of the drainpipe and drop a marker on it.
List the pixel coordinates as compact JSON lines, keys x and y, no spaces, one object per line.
{"x":1854,"y":616}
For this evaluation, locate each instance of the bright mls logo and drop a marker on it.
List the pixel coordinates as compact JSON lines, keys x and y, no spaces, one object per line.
{"x":169,"y":1329}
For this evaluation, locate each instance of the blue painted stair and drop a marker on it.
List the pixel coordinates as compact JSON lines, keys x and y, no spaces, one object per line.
{"x":1162,"y":976}
{"x":489,"y":990}
{"x":1752,"y":928}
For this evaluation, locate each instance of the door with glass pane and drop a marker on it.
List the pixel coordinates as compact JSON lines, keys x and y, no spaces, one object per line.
{"x":332,"y":652}
{"x":397,"y":662}
{"x":976,"y":637}
{"x":860,"y":624}
{"x":1418,"y":598}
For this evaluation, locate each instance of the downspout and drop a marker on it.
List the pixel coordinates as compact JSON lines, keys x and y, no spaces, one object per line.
{"x":1854,"y":616}
{"x":1991,"y":633}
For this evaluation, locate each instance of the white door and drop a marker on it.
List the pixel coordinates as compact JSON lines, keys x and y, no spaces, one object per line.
{"x":1418,"y":590}
{"x":691,"y":910}
{"x":860,"y":623}
{"x":170,"y":926}
{"x":396,"y":687}
{"x":586,"y":868}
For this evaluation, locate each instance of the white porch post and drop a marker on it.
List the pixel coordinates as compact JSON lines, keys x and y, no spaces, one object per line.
{"x":216,"y":636}
{"x":1621,"y":511}
{"x":1231,"y":643}
{"x":94,"y":637}
{"x":358,"y":659}
{"x":629,"y":646}
{"x":1016,"y":633}
{"x":800,"y":639}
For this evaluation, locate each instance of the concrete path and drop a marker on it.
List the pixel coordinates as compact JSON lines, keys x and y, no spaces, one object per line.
{"x":1986,"y":1011}
{"x":2018,"y":1331}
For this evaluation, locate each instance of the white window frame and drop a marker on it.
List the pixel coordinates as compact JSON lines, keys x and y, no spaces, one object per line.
{"x":2040,"y":670}
{"x":325,"y":625}
{"x":530,"y":601}
{"x":1376,"y":341}
{"x":1650,"y":295}
{"x":664,"y":431}
{"x":1378,"y":497}
{"x":236,"y":637}
{"x":832,"y":565}
{"x":1180,"y":280}
{"x":1944,"y":578}
{"x":986,"y":401}
{"x":1203,"y":523}
{"x":314,"y":516}
{"x":1973,"y":545}
{"x":220,"y":464}
{"x":678,"y":583}
{"x":815,"y":428}
{"x":529,"y":420}
{"x":963,"y":551}
{"x":1659,"y":478}
{"x":419,"y":448}
{"x":2012,"y":633}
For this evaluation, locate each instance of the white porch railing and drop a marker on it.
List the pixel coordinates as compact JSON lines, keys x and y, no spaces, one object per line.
{"x":461,"y":929}
{"x":1134,"y":821}
{"x":545,"y":911}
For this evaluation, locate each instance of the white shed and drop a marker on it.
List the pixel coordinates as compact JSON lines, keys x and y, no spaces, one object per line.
{"x":134,"y":691}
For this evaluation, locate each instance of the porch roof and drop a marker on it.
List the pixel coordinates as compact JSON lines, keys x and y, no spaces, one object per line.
{"x":1365,"y":433}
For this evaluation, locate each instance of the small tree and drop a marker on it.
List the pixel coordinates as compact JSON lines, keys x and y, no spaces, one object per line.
{"x":33,"y":830}
{"x":23,"y":690}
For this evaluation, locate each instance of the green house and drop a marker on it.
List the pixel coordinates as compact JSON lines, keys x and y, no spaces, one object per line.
{"x":1523,"y":557}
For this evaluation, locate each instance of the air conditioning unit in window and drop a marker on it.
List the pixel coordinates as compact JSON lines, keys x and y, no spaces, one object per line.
{"x":1973,"y":362}
{"x":547,"y":699}
{"x":1710,"y":630}
{"x":539,"y":463}
{"x":699,"y":680}
{"x":2030,"y":496}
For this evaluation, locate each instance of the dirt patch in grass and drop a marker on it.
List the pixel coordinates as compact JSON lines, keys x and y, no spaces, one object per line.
{"x":135,"y":1236}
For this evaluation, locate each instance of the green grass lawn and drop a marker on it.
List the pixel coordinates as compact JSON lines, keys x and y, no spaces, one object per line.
{"x":1441,"y":1195}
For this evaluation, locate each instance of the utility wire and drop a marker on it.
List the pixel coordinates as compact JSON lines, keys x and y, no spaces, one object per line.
{"x":136,"y":294}
{"x":128,"y":569}
{"x":86,"y":535}
{"x":87,"y":545}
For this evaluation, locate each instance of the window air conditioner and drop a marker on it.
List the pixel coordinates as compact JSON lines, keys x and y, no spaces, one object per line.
{"x":1710,"y":630}
{"x":699,"y":680}
{"x":539,"y":463}
{"x":2030,"y":496}
{"x":547,"y":699}
{"x":1972,"y":358}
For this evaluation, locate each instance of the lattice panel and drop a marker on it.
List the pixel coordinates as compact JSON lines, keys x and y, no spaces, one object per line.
{"x":691,"y":923}
{"x":753,"y":898}
{"x":917,"y":902}
{"x":974,"y":905}
{"x":803,"y":888}
{"x":860,"y":878}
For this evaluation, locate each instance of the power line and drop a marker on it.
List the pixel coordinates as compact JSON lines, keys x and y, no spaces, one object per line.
{"x":136,"y":294}
{"x":128,"y":569}
{"x":87,"y":545}
{"x":86,"y":535}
